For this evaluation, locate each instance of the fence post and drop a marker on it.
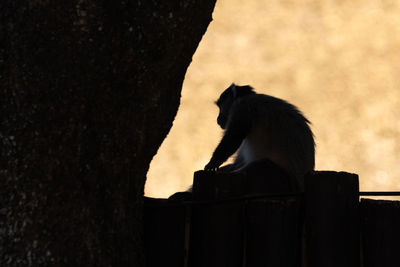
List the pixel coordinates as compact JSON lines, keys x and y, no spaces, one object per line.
{"x":381,"y":233}
{"x":332,"y":220}
{"x":251,"y":233}
{"x":273,"y":225}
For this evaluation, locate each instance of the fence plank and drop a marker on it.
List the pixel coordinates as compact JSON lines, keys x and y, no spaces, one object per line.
{"x":331,"y":219}
{"x":217,"y":230}
{"x":381,"y":233}
{"x":273,"y":233}
{"x":164,"y":233}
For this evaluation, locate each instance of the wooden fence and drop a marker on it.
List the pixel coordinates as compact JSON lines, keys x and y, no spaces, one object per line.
{"x":258,"y":218}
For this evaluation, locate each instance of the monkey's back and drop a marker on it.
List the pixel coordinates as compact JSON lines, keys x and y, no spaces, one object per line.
{"x":279,"y":132}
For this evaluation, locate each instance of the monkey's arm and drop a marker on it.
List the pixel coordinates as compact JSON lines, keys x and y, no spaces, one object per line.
{"x":237,"y":130}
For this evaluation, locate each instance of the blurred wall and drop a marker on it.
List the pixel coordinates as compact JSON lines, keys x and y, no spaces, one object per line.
{"x":338,"y":61}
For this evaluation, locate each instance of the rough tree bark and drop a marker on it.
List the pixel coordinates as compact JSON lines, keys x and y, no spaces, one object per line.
{"x":88,"y":91}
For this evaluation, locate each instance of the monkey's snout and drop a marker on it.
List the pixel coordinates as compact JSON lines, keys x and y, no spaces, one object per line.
{"x":221,"y":122}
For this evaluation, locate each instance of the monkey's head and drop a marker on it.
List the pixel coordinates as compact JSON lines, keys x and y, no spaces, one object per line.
{"x":227,"y":98}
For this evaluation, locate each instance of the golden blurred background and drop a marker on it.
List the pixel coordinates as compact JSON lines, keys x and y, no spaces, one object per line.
{"x":338,"y":61}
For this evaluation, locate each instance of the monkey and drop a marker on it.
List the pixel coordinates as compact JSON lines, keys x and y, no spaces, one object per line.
{"x":258,"y":126}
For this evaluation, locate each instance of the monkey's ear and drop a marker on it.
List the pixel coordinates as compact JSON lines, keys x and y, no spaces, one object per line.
{"x":234,"y":90}
{"x":239,"y":91}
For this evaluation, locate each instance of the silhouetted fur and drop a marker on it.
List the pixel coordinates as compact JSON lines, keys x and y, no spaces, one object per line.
{"x":260,"y":126}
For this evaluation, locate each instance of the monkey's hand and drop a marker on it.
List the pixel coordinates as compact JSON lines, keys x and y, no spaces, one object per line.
{"x":212,"y":166}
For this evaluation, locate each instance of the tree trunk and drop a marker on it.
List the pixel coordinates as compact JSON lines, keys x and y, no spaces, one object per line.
{"x":88,"y":91}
